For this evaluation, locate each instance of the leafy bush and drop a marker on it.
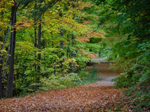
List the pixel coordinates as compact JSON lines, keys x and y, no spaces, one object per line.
{"x":55,"y":82}
{"x":136,"y":77}
{"x":89,"y":76}
{"x":83,"y":74}
{"x":126,"y":80}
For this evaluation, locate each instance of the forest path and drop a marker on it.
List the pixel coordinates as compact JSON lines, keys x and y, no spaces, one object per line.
{"x":95,"y":97}
{"x":105,"y":73}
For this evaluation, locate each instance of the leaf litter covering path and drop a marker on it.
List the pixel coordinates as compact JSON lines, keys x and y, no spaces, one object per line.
{"x":75,"y":99}
{"x":95,"y":97}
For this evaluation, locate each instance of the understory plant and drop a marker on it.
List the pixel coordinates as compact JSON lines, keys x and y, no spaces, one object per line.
{"x":59,"y":81}
{"x":136,"y":75}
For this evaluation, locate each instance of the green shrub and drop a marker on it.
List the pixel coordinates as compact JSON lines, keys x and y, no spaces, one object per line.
{"x":125,"y":80}
{"x":56,"y":82}
{"x":89,"y":76}
{"x":137,"y":80}
{"x":83,"y":74}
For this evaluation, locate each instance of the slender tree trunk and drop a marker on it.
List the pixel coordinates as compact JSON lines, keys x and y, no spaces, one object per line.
{"x":44,"y":46}
{"x":62,"y":44}
{"x":35,"y":43}
{"x":68,"y":49}
{"x":9,"y":93}
{"x":1,"y":84}
{"x":1,"y":61}
{"x":4,"y":42}
{"x":61,"y":33}
{"x":39,"y":44}
{"x":53,"y":52}
{"x":73,"y":41}
{"x":7,"y":59}
{"x":35,"y":34}
{"x":73,"y":54}
{"x":5,"y":68}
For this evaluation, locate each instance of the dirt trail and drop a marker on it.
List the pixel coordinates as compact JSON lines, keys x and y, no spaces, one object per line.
{"x":105,"y":73}
{"x":96,"y":97}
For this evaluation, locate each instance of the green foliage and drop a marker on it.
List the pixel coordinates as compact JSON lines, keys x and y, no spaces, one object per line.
{"x":95,"y":40}
{"x":135,"y":59}
{"x":69,"y":80}
{"x":125,"y":81}
{"x":89,"y":76}
{"x":56,"y":82}
{"x":83,"y":74}
{"x":126,"y":24}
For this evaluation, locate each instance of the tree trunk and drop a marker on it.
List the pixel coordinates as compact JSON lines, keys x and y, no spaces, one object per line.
{"x":73,"y":41}
{"x":1,"y":84}
{"x":39,"y":44}
{"x":35,"y":44}
{"x":1,"y":61}
{"x":4,"y":42}
{"x":61,"y":44}
{"x":7,"y":59}
{"x":68,"y":49}
{"x":9,"y":93}
{"x":35,"y":33}
{"x":73,"y":54}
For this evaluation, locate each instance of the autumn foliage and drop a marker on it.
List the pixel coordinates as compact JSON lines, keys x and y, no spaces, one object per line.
{"x":81,"y":98}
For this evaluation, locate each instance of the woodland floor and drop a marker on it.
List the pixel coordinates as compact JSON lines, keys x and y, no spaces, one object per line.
{"x":96,"y":97}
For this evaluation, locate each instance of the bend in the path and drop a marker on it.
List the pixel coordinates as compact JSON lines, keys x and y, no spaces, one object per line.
{"x":105,"y":73}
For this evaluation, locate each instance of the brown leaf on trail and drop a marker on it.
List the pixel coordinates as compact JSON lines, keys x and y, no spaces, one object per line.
{"x":80,"y":98}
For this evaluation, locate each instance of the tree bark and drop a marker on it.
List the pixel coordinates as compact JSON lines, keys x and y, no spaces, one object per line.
{"x":4,"y":42}
{"x":68,"y":49}
{"x":35,"y":33}
{"x":1,"y":84}
{"x":1,"y":61}
{"x":39,"y":44}
{"x":9,"y":93}
{"x":73,"y":54}
{"x":7,"y":59}
{"x":62,"y":44}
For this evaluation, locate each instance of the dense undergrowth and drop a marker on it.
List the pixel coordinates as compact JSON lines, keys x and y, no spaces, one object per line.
{"x":69,"y":80}
{"x":63,"y":81}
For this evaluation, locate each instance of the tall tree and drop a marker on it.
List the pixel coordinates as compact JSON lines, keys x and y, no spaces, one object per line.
{"x":39,"y":43}
{"x":1,"y":48}
{"x":61,"y":41}
{"x":1,"y":90}
{"x":12,"y":50}
{"x":35,"y":31}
